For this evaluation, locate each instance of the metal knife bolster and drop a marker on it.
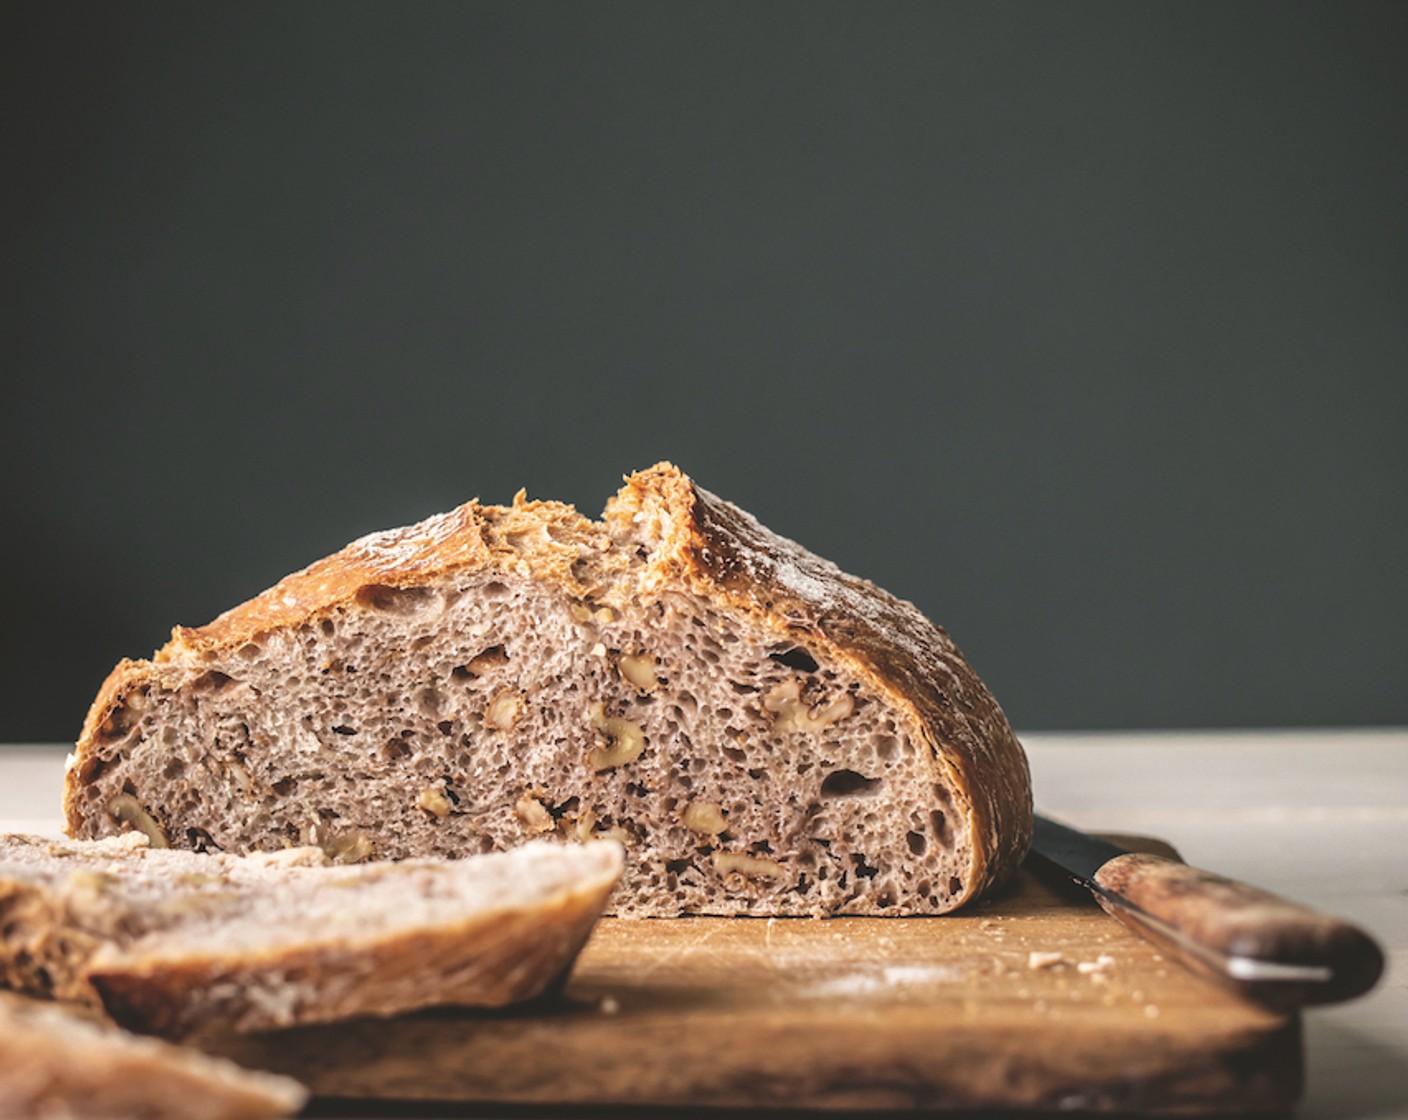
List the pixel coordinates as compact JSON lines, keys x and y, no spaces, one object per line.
{"x":1267,"y":947}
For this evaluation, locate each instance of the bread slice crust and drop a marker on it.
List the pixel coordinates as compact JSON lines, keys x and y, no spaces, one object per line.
{"x":180,"y":943}
{"x":661,"y":536}
{"x":58,"y":1061}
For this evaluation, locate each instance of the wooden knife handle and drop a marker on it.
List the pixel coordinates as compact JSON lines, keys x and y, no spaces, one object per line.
{"x":1217,"y":925}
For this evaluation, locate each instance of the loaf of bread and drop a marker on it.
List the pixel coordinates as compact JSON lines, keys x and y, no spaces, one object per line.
{"x":177,"y":943}
{"x":58,"y":1064}
{"x":764,"y":733}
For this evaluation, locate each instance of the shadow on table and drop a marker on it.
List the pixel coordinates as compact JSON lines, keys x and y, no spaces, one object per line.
{"x":1351,"y":1074}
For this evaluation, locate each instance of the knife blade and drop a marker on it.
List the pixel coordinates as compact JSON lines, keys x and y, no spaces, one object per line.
{"x":1265,"y":946}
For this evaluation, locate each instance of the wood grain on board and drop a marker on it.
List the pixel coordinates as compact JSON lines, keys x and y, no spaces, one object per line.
{"x":1035,"y":999}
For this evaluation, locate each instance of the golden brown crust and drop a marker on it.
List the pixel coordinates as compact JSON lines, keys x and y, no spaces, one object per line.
{"x":126,"y":677}
{"x":470,"y":536}
{"x":884,"y":640}
{"x":487,"y":960}
{"x":701,"y":541}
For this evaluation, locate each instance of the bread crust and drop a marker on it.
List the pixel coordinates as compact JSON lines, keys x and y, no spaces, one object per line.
{"x":889,"y":643}
{"x":491,"y":959}
{"x":57,"y":1061}
{"x":163,"y":940}
{"x":703,"y":543}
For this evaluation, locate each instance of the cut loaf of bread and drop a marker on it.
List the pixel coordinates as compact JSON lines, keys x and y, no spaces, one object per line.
{"x":764,"y":733}
{"x":177,"y":943}
{"x":57,"y":1063}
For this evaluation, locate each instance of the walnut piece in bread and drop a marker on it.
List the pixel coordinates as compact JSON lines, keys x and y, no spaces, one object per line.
{"x":612,"y":672}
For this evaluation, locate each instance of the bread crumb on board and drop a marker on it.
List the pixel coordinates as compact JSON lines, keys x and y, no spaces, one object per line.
{"x":1039,"y":961}
{"x":1097,"y":966}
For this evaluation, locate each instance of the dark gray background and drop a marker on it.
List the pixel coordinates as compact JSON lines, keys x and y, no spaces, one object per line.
{"x":1085,"y":326}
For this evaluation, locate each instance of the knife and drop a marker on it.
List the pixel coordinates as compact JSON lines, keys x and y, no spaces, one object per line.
{"x":1266,"y":947}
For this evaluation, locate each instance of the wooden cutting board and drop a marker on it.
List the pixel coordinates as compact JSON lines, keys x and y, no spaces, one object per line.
{"x":1034,"y":999}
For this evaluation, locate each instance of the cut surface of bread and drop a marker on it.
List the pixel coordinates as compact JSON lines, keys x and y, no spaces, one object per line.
{"x":764,"y":733}
{"x":175,"y":942}
{"x":57,"y":1063}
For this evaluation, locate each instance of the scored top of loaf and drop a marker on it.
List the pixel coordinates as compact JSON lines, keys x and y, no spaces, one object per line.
{"x":661,"y":530}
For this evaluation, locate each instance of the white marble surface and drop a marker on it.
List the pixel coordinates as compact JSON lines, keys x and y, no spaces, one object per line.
{"x":1321,"y":816}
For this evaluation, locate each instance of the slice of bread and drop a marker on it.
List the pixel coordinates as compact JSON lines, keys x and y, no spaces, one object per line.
{"x":58,"y":1064}
{"x":764,"y":733}
{"x":176,"y":943}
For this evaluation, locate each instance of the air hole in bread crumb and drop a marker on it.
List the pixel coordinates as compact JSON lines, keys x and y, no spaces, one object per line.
{"x":939,"y":823}
{"x":494,"y":590}
{"x":401,"y":601}
{"x":201,"y":841}
{"x":344,"y":729}
{"x":285,"y":786}
{"x":955,"y":886}
{"x":212,"y":680}
{"x":918,"y":844}
{"x":848,"y":783}
{"x":795,"y":658}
